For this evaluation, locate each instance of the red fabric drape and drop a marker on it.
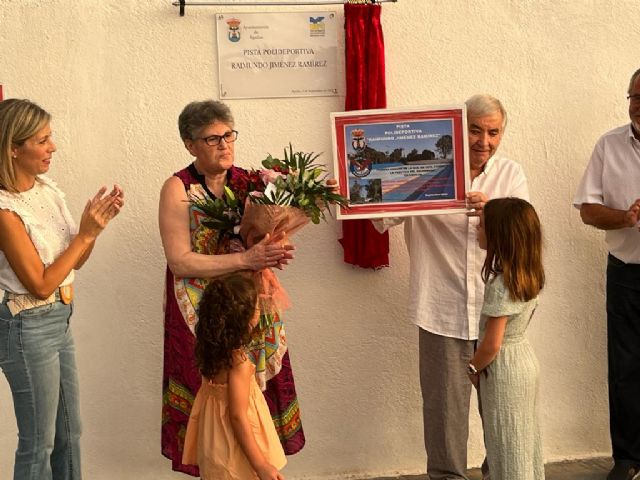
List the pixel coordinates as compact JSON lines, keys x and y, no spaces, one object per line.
{"x":364,"y":48}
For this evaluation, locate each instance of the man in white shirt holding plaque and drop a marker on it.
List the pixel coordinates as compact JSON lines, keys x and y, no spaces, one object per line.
{"x":608,"y":199}
{"x":447,"y":292}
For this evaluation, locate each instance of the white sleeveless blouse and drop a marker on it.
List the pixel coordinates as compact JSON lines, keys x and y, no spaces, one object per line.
{"x":49,"y":225}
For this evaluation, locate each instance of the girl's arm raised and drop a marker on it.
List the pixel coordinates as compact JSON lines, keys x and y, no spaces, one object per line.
{"x":239,"y":385}
{"x":491,"y":343}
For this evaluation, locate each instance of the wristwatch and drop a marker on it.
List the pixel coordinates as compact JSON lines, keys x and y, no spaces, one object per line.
{"x":471,"y":369}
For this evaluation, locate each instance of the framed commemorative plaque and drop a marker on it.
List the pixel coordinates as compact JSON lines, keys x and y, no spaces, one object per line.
{"x":392,"y":163}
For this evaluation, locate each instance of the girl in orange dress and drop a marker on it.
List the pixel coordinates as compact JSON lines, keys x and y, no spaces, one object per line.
{"x":230,"y":434}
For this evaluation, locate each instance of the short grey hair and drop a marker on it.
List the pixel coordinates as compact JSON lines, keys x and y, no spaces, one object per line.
{"x":635,"y":75}
{"x":197,"y":115}
{"x":483,"y":104}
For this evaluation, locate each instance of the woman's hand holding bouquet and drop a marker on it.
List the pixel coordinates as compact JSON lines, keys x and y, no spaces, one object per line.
{"x":283,"y":197}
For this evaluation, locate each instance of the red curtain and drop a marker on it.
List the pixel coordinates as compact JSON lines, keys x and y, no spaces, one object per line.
{"x":364,"y":47}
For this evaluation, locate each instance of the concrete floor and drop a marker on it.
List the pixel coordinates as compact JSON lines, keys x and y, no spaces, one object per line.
{"x":591,"y":469}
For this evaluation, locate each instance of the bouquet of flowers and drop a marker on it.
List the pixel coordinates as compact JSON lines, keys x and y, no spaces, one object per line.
{"x":294,"y":192}
{"x":298,"y":182}
{"x":282,"y":197}
{"x":223,"y":214}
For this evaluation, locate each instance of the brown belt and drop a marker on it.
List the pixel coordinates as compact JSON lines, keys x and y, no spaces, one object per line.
{"x":17,"y":302}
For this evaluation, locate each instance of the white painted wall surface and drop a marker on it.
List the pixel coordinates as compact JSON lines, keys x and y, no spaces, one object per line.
{"x":115,"y":75}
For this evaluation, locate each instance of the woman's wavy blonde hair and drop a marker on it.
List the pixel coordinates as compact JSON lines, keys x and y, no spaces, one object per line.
{"x":19,"y":121}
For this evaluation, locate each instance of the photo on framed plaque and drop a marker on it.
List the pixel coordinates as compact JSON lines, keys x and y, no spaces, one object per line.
{"x":392,"y":162}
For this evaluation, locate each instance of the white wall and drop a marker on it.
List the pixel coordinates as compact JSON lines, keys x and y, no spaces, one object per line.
{"x":116,"y":73}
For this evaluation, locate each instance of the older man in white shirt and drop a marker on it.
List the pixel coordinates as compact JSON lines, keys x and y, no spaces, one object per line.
{"x":446,"y":290}
{"x":608,"y":199}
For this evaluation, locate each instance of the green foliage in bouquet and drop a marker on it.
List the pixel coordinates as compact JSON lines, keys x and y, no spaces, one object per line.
{"x":300,"y":184}
{"x":223,"y":214}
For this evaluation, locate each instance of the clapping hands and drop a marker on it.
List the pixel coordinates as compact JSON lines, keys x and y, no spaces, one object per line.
{"x":100,"y":210}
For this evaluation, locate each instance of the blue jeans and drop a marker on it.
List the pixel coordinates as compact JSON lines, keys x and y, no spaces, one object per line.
{"x":37,"y":355}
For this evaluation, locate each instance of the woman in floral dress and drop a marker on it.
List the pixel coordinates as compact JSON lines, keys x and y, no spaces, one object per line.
{"x":196,"y":252}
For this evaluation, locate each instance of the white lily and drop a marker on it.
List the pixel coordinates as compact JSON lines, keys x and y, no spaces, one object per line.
{"x":281,"y":198}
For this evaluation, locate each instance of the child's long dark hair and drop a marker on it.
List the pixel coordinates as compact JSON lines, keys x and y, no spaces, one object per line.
{"x":227,"y":307}
{"x":514,"y":246}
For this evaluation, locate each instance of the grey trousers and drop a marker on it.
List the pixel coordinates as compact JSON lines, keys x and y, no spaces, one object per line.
{"x":446,"y":395}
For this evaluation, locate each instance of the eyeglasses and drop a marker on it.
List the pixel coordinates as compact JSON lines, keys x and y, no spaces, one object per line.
{"x":213,"y":140}
{"x":634,"y":98}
